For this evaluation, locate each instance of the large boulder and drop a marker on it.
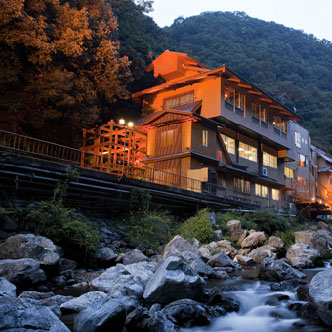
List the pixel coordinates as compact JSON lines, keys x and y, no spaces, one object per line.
{"x":254,"y":240}
{"x":276,"y":243}
{"x":244,"y":260}
{"x":177,"y":246}
{"x":300,"y":255}
{"x":259,"y":255}
{"x":173,"y":280}
{"x":197,"y":264}
{"x":22,"y":271}
{"x":38,"y":248}
{"x":134,"y":256}
{"x":221,"y":260}
{"x":127,"y":279}
{"x":82,"y":302}
{"x":105,"y":256}
{"x":226,"y":247}
{"x":7,"y":288}
{"x":235,"y":229}
{"x":314,"y":240}
{"x":278,"y":270}
{"x":27,"y":315}
{"x":320,"y":294}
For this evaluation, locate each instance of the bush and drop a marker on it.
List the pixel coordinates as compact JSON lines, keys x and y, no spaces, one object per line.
{"x":198,"y":227}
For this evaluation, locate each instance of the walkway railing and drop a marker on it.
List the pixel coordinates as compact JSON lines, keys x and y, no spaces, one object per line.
{"x":28,"y":146}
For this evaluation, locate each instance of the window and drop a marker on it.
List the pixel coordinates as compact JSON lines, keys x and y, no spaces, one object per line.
{"x":167,"y":137}
{"x":239,"y":100}
{"x":275,"y":194}
{"x":297,"y":139}
{"x":234,"y":97}
{"x":205,"y":137}
{"x":269,"y":160}
{"x":280,"y":124}
{"x":259,"y":112}
{"x":289,"y":172}
{"x":177,"y":100}
{"x":241,"y":185}
{"x":261,"y":191}
{"x":301,"y":182}
{"x":222,"y":180}
{"x":301,"y":160}
{"x":248,"y":152}
{"x":230,"y":143}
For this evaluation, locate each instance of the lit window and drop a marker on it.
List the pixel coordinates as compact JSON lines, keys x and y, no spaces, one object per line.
{"x":297,"y":139}
{"x":239,"y":100}
{"x":289,"y":172}
{"x":269,"y":160}
{"x":301,"y":182}
{"x":301,"y":160}
{"x":275,"y":194}
{"x":234,"y":97}
{"x":241,"y":185}
{"x":177,"y":100}
{"x":205,"y":138}
{"x":261,"y":191}
{"x":248,"y":152}
{"x":259,"y":112}
{"x":230,"y":143}
{"x":167,"y":137}
{"x":280,"y":124}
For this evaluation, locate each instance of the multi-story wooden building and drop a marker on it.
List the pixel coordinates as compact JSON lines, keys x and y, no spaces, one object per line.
{"x":215,"y":126}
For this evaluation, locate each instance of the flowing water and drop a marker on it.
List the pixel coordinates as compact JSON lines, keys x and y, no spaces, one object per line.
{"x":261,"y":310}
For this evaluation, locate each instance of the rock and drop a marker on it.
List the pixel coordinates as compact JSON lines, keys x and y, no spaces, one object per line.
{"x":38,"y":248}
{"x":26,"y":315}
{"x":221,"y":275}
{"x":212,"y":246}
{"x":242,"y":237}
{"x":244,"y":260}
{"x":286,"y":285}
{"x":301,"y":250}
{"x":235,"y":229}
{"x":177,"y":246}
{"x":303,"y":293}
{"x":320,"y":293}
{"x":212,"y":218}
{"x":134,"y":256}
{"x":195,"y":243}
{"x":325,"y":234}
{"x":60,"y":281}
{"x":82,"y":302}
{"x":277,"y":243}
{"x":160,"y":323}
{"x":254,"y":240}
{"x":55,"y":300}
{"x":314,"y":240}
{"x":7,"y":288}
{"x":66,"y":264}
{"x":323,"y":225}
{"x":137,"y":320}
{"x":278,"y":270}
{"x":36,"y":295}
{"x":173,"y":280}
{"x":205,"y":252}
{"x":105,"y":256}
{"x":217,"y":297}
{"x":225,"y":247}
{"x":108,"y":316}
{"x":187,"y":313}
{"x":221,"y":260}
{"x":197,"y":264}
{"x":217,"y":235}
{"x":259,"y":255}
{"x":127,"y":279}
{"x":22,"y":271}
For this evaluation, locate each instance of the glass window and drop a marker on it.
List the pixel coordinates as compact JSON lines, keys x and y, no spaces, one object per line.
{"x":234,"y":97}
{"x":261,"y":191}
{"x":248,"y":152}
{"x":242,"y":185}
{"x":205,"y":137}
{"x":269,"y":160}
{"x":177,"y":100}
{"x":259,"y":112}
{"x":280,"y":123}
{"x":167,"y":137}
{"x":301,"y":160}
{"x":275,"y":194}
{"x":297,"y":139}
{"x":239,"y":100}
{"x":230,"y":143}
{"x":289,"y":172}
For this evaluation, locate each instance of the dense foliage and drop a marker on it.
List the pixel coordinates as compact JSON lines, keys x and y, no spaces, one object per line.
{"x":292,"y":66}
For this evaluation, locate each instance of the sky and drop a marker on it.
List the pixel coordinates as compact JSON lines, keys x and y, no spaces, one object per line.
{"x":311,"y":16}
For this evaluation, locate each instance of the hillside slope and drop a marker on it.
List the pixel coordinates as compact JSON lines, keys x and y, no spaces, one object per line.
{"x":292,"y":66}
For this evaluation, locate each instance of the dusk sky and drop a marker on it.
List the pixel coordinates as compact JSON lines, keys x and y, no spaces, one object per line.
{"x":311,"y":16}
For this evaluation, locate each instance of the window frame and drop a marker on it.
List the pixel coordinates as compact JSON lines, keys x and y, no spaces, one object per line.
{"x":205,"y":137}
{"x":251,"y":151}
{"x":229,"y":143}
{"x":270,"y":161}
{"x":179,"y":96}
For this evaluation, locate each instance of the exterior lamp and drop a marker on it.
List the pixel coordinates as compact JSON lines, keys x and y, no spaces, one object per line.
{"x":122,"y":122}
{"x":130,"y":124}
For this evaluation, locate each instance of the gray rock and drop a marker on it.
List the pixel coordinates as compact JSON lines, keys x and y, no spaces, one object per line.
{"x":177,"y":246}
{"x":106,"y":255}
{"x":314,"y":240}
{"x":26,"y":315}
{"x":160,"y":323}
{"x":303,"y":251}
{"x":60,"y":281}
{"x":173,"y":280}
{"x":7,"y":288}
{"x":244,"y":260}
{"x":259,"y":255}
{"x":82,"y":302}
{"x":38,"y":248}
{"x":323,"y":225}
{"x":127,"y":279}
{"x":205,"y":252}
{"x":277,"y":243}
{"x":221,"y":275}
{"x":221,"y":260}
{"x":137,"y":320}
{"x":235,"y":229}
{"x":278,"y":270}
{"x":134,"y":256}
{"x":196,"y":263}
{"x":320,"y":293}
{"x":21,"y":271}
{"x":254,"y":240}
{"x":65,"y":264}
{"x":300,"y":263}
{"x":217,"y":235}
{"x":36,"y":295}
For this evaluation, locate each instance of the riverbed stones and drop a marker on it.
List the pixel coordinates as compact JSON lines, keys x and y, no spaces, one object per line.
{"x":278,"y":270}
{"x":254,"y":240}
{"x":221,"y":260}
{"x":314,"y":240}
{"x":38,"y":248}
{"x":300,"y":255}
{"x":7,"y":288}
{"x":173,"y":280}
{"x":320,"y":293}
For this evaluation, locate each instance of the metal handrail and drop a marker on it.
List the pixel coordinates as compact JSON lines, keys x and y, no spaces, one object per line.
{"x":25,"y":145}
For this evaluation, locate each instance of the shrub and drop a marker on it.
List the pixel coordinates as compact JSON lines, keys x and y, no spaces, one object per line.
{"x":288,"y":238}
{"x":198,"y":227}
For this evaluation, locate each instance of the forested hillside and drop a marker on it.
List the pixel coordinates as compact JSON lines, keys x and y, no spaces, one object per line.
{"x":292,"y":66}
